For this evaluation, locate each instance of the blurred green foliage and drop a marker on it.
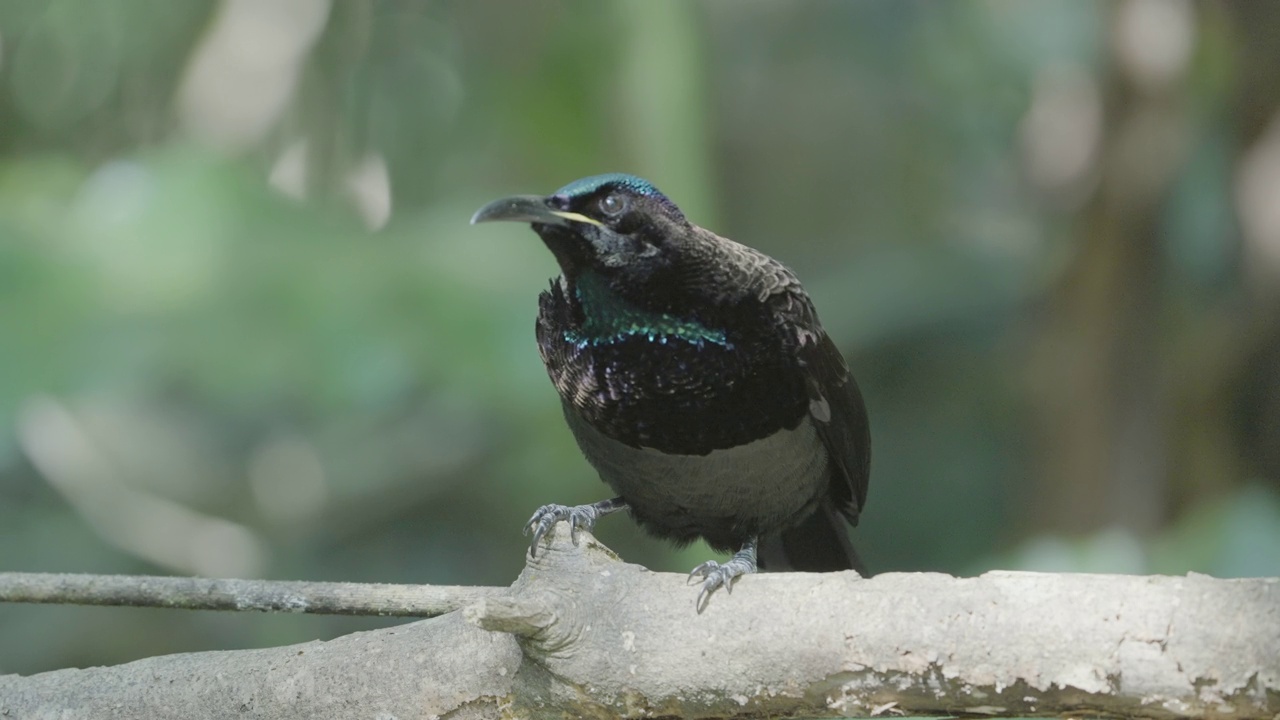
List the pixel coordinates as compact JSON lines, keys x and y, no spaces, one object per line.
{"x":219,"y":356}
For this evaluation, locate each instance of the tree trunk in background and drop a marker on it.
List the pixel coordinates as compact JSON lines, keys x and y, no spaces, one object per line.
{"x":1250,"y":386}
{"x":1142,"y":410}
{"x":1097,"y":367}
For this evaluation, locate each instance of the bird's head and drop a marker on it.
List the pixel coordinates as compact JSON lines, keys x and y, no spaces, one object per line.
{"x":617,"y":227}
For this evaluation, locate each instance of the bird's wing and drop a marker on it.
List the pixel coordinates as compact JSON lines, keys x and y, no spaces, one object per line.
{"x":835,"y":402}
{"x":840,"y":417}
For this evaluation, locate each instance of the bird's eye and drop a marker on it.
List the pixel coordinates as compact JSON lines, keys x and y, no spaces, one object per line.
{"x":613,"y":204}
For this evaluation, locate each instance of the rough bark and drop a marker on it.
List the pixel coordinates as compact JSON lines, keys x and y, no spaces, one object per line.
{"x":187,"y":593}
{"x":582,"y":634}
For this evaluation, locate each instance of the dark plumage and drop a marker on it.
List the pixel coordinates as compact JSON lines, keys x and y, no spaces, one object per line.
{"x":697,"y":380}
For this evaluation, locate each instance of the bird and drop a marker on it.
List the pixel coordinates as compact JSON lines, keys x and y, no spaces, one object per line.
{"x":697,"y":380}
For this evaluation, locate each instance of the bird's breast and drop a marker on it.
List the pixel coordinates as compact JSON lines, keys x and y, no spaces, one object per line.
{"x":726,"y":496}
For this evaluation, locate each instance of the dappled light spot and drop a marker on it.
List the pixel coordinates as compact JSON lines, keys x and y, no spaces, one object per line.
{"x":242,"y":76}
{"x":369,"y":186}
{"x":1154,"y":39}
{"x":1061,"y":131}
{"x":1258,"y":201}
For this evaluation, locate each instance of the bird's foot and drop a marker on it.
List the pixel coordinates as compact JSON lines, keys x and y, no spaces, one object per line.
{"x":722,"y":575}
{"x":580,"y":517}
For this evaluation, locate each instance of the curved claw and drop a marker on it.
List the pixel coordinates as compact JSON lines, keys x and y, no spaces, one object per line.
{"x":716,"y":575}
{"x":702,"y":570}
{"x":580,"y":517}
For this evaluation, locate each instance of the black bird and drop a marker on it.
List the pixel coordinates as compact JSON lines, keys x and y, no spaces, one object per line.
{"x":698,"y":382}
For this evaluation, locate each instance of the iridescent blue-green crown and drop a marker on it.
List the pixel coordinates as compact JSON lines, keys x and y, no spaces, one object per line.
{"x":589,"y":185}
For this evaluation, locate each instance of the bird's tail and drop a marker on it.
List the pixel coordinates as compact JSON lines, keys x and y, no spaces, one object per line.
{"x":818,"y":544}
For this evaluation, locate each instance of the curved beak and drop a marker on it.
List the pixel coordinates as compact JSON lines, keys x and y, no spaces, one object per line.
{"x":530,"y":209}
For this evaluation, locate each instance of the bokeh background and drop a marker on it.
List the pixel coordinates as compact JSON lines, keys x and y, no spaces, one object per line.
{"x":245,"y":329}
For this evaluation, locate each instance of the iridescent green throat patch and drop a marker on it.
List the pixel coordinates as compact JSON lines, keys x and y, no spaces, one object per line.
{"x":608,"y":318}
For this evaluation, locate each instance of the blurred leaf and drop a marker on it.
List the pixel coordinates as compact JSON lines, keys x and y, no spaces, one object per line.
{"x":1239,"y":536}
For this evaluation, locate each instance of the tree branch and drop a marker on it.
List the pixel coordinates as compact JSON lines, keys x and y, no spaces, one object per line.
{"x":321,"y":598}
{"x":582,"y":634}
